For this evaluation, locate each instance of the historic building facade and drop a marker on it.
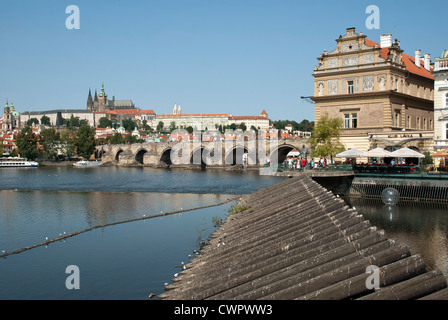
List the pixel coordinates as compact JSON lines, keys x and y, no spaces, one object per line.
{"x":210,"y":121}
{"x":441,"y":102}
{"x":101,"y":103}
{"x":383,"y":95}
{"x":11,"y":118}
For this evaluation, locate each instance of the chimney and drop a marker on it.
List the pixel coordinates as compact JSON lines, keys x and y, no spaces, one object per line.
{"x":427,"y":61}
{"x":417,"y":57}
{"x":386,"y":40}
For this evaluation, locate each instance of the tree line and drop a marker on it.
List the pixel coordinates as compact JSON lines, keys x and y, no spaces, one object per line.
{"x":50,"y":142}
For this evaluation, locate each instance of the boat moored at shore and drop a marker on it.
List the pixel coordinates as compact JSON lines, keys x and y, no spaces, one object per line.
{"x":16,"y":162}
{"x":87,"y":164}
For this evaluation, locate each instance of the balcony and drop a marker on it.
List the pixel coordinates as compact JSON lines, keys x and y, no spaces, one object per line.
{"x":440,"y":64}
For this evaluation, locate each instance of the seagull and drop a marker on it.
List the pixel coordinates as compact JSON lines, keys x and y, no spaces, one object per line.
{"x":46,"y":238}
{"x":175,"y":275}
{"x":3,"y":251}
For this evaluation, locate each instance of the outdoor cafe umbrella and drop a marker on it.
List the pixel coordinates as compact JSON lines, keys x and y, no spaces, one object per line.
{"x":351,"y":153}
{"x":406,"y":153}
{"x":376,"y":153}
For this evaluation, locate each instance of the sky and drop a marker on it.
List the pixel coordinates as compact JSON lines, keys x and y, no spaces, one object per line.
{"x":208,"y":56}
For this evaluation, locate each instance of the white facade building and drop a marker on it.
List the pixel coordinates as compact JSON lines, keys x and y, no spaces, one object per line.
{"x":441,"y":102}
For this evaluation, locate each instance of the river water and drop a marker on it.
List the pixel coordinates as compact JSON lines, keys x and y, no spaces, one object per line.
{"x":125,"y":261}
{"x":135,"y":259}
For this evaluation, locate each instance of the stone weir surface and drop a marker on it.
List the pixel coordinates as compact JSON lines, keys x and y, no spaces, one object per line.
{"x":296,"y":240}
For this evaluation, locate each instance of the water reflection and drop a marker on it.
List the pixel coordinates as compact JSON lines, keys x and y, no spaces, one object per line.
{"x":423,"y":227}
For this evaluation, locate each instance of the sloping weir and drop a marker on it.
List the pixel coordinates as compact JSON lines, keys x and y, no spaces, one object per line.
{"x":297,"y":240}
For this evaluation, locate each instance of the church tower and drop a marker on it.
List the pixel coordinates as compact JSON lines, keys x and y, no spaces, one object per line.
{"x":90,"y":101}
{"x":102,"y":100}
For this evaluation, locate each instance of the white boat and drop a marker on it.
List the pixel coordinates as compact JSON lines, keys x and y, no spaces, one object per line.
{"x":86,"y":163}
{"x":14,"y":162}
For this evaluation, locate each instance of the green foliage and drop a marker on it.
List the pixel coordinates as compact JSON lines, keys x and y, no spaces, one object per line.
{"x":68,"y":142}
{"x":26,"y":142}
{"x":85,"y":141}
{"x":160,"y":125}
{"x":50,"y":140}
{"x":325,"y":137}
{"x":32,"y":121}
{"x":304,"y":125}
{"x":236,"y":209}
{"x":427,"y":159}
{"x":117,"y":138}
{"x":104,"y":123}
{"x":129,"y":125}
{"x":45,"y":121}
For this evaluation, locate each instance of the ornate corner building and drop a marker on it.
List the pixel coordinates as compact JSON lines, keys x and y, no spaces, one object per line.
{"x":441,"y":102}
{"x":383,"y":95}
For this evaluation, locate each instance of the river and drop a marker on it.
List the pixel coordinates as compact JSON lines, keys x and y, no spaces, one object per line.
{"x":125,"y":261}
{"x":133,"y":260}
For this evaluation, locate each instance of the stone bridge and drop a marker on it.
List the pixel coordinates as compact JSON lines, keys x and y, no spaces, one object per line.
{"x":214,"y":154}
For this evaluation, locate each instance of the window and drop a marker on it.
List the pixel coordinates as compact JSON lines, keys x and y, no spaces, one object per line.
{"x":350,"y":87}
{"x":354,"y":120}
{"x":397,"y":118}
{"x":446,"y":100}
{"x":446,"y":133}
{"x":346,"y":120}
{"x":424,"y":124}
{"x":350,"y":120}
{"x":409,"y":122}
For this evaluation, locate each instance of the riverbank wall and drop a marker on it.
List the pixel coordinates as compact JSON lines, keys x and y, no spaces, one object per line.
{"x":297,"y":240}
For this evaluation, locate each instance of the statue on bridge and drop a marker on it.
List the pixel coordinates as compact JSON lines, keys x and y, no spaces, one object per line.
{"x":304,"y":152}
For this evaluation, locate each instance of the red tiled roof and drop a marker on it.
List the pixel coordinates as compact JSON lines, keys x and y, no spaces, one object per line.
{"x":408,"y":60}
{"x":194,"y":115}
{"x":247,"y":118}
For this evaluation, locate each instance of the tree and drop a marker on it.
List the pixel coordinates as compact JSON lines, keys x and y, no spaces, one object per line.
{"x":129,"y":125}
{"x":160,"y":125}
{"x":45,"y":121}
{"x":68,"y":142}
{"x":104,"y":123}
{"x":85,"y":141}
{"x":242,"y":126}
{"x":1,"y":147}
{"x":26,"y":142}
{"x":74,"y":121}
{"x":325,"y":137}
{"x":117,"y":138}
{"x":50,"y":140}
{"x":172,"y":126}
{"x":189,"y":129}
{"x":32,"y":121}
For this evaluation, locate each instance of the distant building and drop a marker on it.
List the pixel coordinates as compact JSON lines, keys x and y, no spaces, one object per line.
{"x":441,"y":102}
{"x":210,"y":121}
{"x":378,"y":91}
{"x":101,"y":103}
{"x":11,"y":118}
{"x":57,"y":115}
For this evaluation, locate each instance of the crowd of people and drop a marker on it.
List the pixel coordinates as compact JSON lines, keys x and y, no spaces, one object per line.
{"x":299,"y":163}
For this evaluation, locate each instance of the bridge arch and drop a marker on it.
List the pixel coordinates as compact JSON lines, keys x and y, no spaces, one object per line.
{"x":281,"y":152}
{"x":117,"y":155}
{"x":197,"y":154}
{"x":235,"y":155}
{"x":165,"y":157}
{"x":139,"y":155}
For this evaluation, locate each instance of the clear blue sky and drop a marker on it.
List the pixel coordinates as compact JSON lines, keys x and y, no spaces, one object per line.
{"x":209,"y":56}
